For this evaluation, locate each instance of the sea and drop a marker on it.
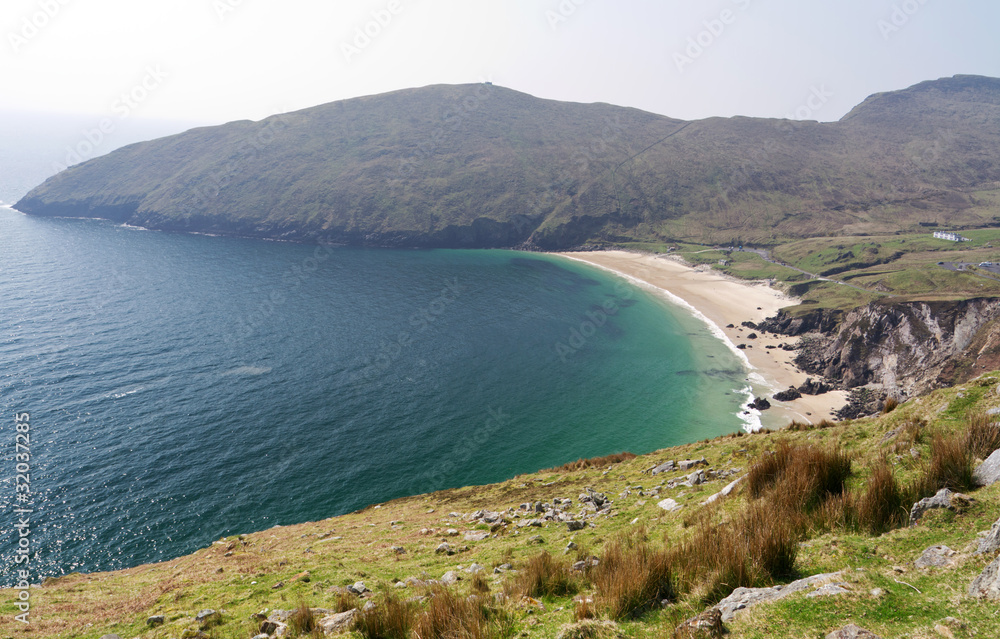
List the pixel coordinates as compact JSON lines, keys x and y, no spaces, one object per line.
{"x":178,"y":388}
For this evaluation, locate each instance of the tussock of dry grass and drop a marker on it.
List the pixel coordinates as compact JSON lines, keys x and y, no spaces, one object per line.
{"x":393,"y":618}
{"x":799,"y":477}
{"x":584,"y":609}
{"x":302,"y":622}
{"x":593,"y":462}
{"x":479,"y":584}
{"x":884,"y":504}
{"x":950,"y":466}
{"x":346,"y":601}
{"x":757,"y":547}
{"x":544,"y":576}
{"x":982,"y":435}
{"x":890,"y":404}
{"x":797,"y":426}
{"x":452,"y":615}
{"x":632,"y":577}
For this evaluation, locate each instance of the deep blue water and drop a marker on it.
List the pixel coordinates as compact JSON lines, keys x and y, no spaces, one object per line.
{"x":185,"y":387}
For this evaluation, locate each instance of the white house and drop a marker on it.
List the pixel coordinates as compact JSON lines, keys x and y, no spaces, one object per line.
{"x":951,"y":237}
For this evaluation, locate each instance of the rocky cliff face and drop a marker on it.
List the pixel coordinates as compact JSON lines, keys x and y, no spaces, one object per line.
{"x":907,"y":347}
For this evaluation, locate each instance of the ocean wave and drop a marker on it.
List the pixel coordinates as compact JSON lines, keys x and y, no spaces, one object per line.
{"x":124,"y":393}
{"x":248,"y":370}
{"x":749,"y":416}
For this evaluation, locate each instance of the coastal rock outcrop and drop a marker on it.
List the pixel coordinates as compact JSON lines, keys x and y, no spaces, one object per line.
{"x":788,"y":395}
{"x":905,"y":347}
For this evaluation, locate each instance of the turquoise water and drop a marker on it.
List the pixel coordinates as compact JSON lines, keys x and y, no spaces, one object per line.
{"x":185,"y":387}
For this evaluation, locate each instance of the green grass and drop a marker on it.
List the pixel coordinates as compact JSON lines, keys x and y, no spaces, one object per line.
{"x":359,"y":546}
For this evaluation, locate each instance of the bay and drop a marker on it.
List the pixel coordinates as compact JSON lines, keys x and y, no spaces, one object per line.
{"x":186,"y":387}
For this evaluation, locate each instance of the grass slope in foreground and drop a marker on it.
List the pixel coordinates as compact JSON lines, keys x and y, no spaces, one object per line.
{"x":822,"y":500}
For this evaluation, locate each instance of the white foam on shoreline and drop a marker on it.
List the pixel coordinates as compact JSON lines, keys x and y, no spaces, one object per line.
{"x":749,"y":416}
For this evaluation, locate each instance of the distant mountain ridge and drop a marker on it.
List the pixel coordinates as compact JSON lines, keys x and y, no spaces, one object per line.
{"x":484,"y":166}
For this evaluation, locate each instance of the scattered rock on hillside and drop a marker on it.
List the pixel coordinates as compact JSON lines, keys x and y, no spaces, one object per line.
{"x":743,"y":598}
{"x":591,"y":629}
{"x":988,"y":472}
{"x":208,"y":617}
{"x":477,"y":535}
{"x":450,"y":577}
{"x":725,"y":492}
{"x":155,"y":620}
{"x":829,"y":590}
{"x":337,"y":623}
{"x":936,"y":557}
{"x":944,"y":498}
{"x":670,"y":505}
{"x":987,"y":584}
{"x":486,"y":516}
{"x":583,"y":563}
{"x":665,"y":467}
{"x":275,"y":628}
{"x":707,"y":625}
{"x":688,"y":464}
{"x":851,"y":631}
{"x":444,"y":549}
{"x":600,"y":500}
{"x":990,"y":542}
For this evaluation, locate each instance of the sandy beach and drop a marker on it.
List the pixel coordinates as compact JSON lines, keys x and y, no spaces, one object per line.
{"x":724,"y":300}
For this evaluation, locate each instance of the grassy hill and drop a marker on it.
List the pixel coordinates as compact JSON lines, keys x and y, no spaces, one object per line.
{"x":485,"y":166}
{"x":830,"y":500}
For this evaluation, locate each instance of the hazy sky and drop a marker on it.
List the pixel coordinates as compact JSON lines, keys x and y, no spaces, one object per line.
{"x":220,"y":60}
